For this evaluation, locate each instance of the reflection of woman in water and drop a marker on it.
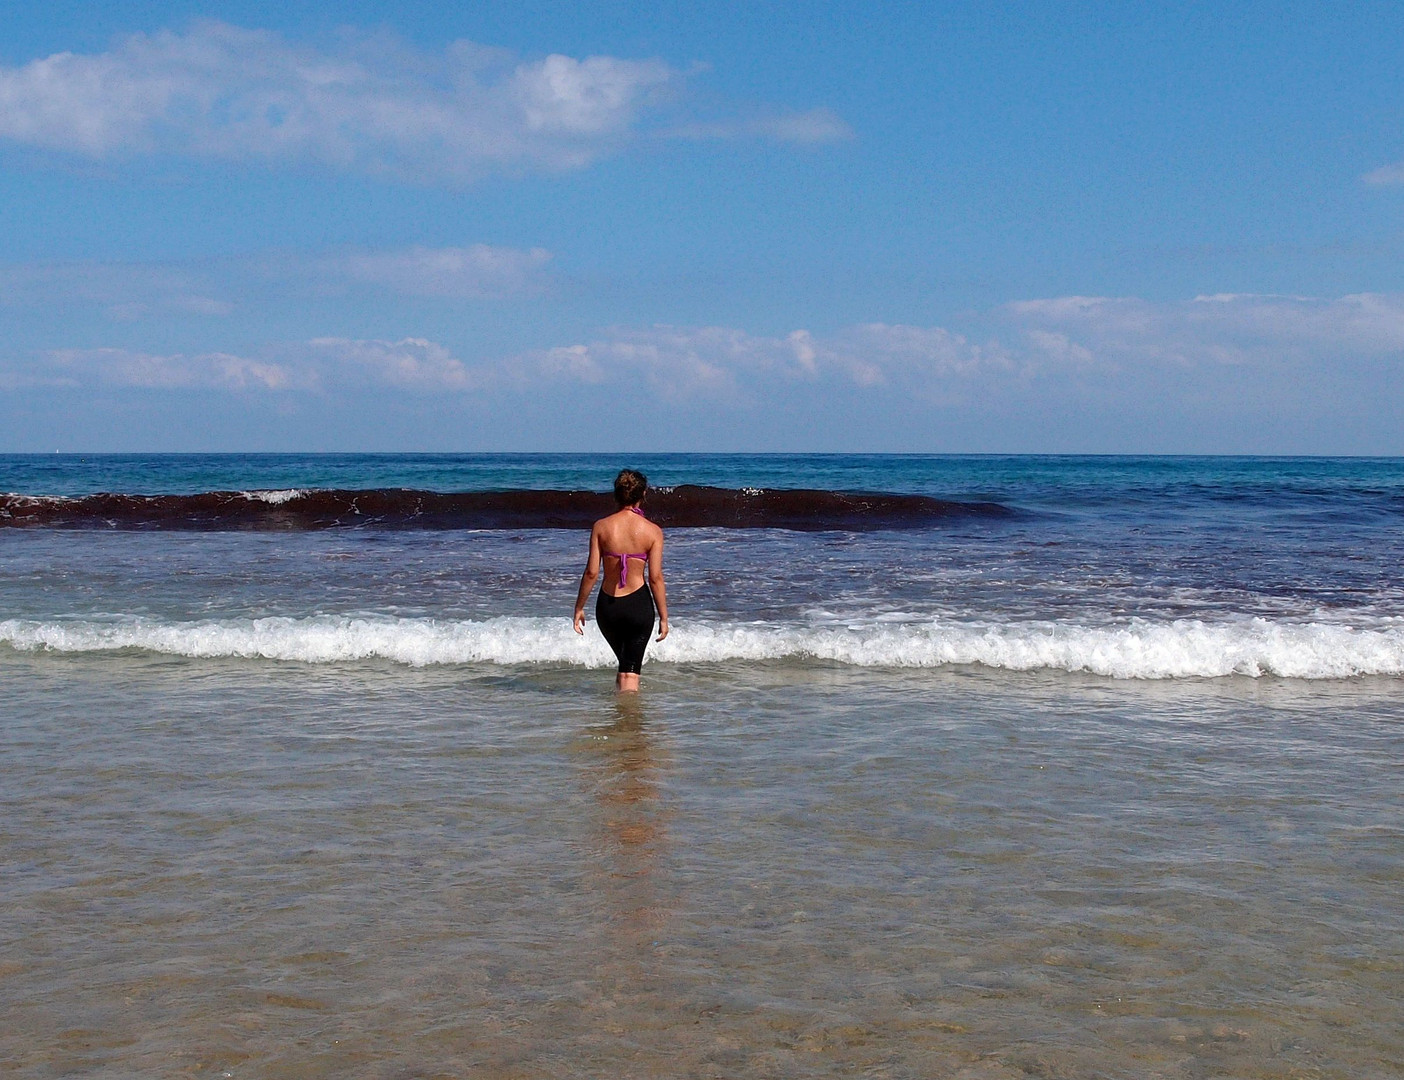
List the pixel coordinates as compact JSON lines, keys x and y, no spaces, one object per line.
{"x":631,"y":897}
{"x":631,"y":547}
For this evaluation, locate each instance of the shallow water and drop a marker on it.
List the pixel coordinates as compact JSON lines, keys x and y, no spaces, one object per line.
{"x":771,"y":870}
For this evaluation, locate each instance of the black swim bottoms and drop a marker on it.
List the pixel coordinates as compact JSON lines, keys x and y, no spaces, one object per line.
{"x":626,"y":623}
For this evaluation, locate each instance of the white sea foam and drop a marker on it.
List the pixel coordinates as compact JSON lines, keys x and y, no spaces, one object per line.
{"x":276,"y":497}
{"x":1138,"y":649}
{"x":36,"y":500}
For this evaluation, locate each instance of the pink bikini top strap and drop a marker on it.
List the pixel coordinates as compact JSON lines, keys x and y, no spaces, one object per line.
{"x":625,"y":556}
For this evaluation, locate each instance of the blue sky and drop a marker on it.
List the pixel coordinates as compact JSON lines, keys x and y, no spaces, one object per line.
{"x":616,"y":226}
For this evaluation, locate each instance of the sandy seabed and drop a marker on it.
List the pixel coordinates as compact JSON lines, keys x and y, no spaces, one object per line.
{"x":250,"y":868}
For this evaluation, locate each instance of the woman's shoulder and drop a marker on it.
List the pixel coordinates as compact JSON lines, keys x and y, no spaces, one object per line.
{"x":611,"y":525}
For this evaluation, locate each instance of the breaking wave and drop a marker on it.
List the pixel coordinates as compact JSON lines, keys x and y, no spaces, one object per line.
{"x":1138,"y":649}
{"x":685,"y":506}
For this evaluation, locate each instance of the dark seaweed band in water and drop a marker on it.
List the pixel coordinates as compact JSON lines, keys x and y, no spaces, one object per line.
{"x":685,"y":506}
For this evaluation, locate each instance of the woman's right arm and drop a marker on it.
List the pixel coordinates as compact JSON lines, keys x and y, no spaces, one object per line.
{"x":587,"y":579}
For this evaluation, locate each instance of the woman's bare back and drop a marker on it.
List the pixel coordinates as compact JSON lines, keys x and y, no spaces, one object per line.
{"x":626,"y":533}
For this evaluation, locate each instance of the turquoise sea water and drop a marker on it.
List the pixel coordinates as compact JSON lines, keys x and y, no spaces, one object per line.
{"x":1031,"y":477}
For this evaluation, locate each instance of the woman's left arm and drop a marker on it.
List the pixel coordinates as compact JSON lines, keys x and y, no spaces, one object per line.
{"x":587,"y":579}
{"x":655,"y":583}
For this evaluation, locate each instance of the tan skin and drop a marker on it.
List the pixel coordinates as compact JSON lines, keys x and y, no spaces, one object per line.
{"x":624,"y":530}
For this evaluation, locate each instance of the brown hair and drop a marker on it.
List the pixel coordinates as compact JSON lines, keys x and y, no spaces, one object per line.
{"x":630,"y":486}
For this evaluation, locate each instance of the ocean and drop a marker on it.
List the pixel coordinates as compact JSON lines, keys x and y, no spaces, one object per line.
{"x":951,"y":766}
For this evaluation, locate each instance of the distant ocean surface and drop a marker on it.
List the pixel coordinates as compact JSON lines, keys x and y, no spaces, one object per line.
{"x":979,"y":766}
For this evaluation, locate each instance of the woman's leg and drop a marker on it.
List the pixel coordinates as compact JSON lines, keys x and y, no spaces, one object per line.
{"x":627,"y":624}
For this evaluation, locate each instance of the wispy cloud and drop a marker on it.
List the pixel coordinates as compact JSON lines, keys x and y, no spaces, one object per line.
{"x":216,"y":287}
{"x":1224,"y":329}
{"x":370,"y":104}
{"x":170,"y":305}
{"x":1386,"y":175}
{"x":126,"y":291}
{"x":414,"y":364}
{"x":684,"y":363}
{"x":811,"y":127}
{"x":679,"y":365}
{"x":320,"y":365}
{"x":479,"y":271}
{"x":152,"y":371}
{"x":1134,"y":348}
{"x":1125,"y":344}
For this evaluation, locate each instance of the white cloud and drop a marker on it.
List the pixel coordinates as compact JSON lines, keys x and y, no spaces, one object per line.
{"x":220,"y":91}
{"x":369,"y":104}
{"x":592,"y":97}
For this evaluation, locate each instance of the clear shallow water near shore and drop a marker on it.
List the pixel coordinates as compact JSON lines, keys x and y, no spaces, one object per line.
{"x":297,"y":804}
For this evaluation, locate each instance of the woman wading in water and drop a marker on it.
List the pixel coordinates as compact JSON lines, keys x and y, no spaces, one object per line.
{"x":631,"y":547}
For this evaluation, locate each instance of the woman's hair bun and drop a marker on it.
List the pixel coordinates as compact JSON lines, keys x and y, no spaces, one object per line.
{"x":630,"y":486}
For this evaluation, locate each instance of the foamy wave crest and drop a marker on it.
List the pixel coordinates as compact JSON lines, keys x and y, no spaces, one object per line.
{"x":277,"y":497}
{"x":322,"y":639}
{"x":1138,"y":649}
